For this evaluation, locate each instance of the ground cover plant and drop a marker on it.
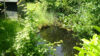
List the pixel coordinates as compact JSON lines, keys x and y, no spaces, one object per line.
{"x":20,"y":37}
{"x":90,"y":47}
{"x":8,"y":30}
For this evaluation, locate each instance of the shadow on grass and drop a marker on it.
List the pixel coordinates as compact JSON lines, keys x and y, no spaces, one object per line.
{"x":8,"y":30}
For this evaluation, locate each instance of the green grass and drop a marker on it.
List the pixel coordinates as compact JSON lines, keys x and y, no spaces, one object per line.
{"x":8,"y":30}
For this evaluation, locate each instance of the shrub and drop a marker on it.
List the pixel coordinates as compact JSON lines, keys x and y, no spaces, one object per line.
{"x":38,"y":12}
{"x":90,"y":47}
{"x":27,"y":43}
{"x":78,"y":15}
{"x":85,"y":16}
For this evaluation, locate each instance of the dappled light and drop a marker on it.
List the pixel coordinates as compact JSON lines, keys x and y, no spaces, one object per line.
{"x":49,"y":28}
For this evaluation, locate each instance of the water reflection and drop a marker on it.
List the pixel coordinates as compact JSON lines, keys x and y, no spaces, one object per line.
{"x":54,"y":34}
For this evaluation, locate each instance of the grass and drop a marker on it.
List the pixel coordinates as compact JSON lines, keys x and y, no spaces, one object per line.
{"x":8,"y":30}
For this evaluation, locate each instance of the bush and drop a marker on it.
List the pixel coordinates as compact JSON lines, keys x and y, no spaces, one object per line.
{"x":90,"y":47}
{"x":78,"y":15}
{"x":85,"y":16}
{"x":27,"y":43}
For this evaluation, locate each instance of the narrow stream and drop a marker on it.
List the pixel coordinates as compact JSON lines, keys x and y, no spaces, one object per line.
{"x":54,"y":34}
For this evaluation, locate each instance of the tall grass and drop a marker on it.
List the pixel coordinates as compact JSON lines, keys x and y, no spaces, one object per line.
{"x":40,"y":15}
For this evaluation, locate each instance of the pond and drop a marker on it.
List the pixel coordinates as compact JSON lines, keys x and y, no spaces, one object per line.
{"x":54,"y":34}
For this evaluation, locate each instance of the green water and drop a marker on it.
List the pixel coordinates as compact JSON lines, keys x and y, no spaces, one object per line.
{"x":54,"y":34}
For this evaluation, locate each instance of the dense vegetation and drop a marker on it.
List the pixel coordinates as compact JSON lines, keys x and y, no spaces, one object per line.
{"x":90,"y":47}
{"x":19,"y":37}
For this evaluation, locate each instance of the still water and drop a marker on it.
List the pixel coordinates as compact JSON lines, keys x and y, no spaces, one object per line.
{"x":54,"y":34}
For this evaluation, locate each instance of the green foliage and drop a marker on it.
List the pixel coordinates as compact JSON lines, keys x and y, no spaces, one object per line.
{"x":62,"y":6}
{"x":78,"y":15}
{"x":8,"y":30}
{"x":1,"y":4}
{"x":20,"y":38}
{"x":27,"y":43}
{"x":29,"y":0}
{"x":37,"y":11}
{"x":97,"y":28}
{"x":84,"y":17}
{"x":90,"y":47}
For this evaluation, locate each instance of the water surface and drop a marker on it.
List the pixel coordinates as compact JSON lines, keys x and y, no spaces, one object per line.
{"x":54,"y":34}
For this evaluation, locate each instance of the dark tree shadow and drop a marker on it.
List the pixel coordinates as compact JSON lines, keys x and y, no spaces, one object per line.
{"x":8,"y":30}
